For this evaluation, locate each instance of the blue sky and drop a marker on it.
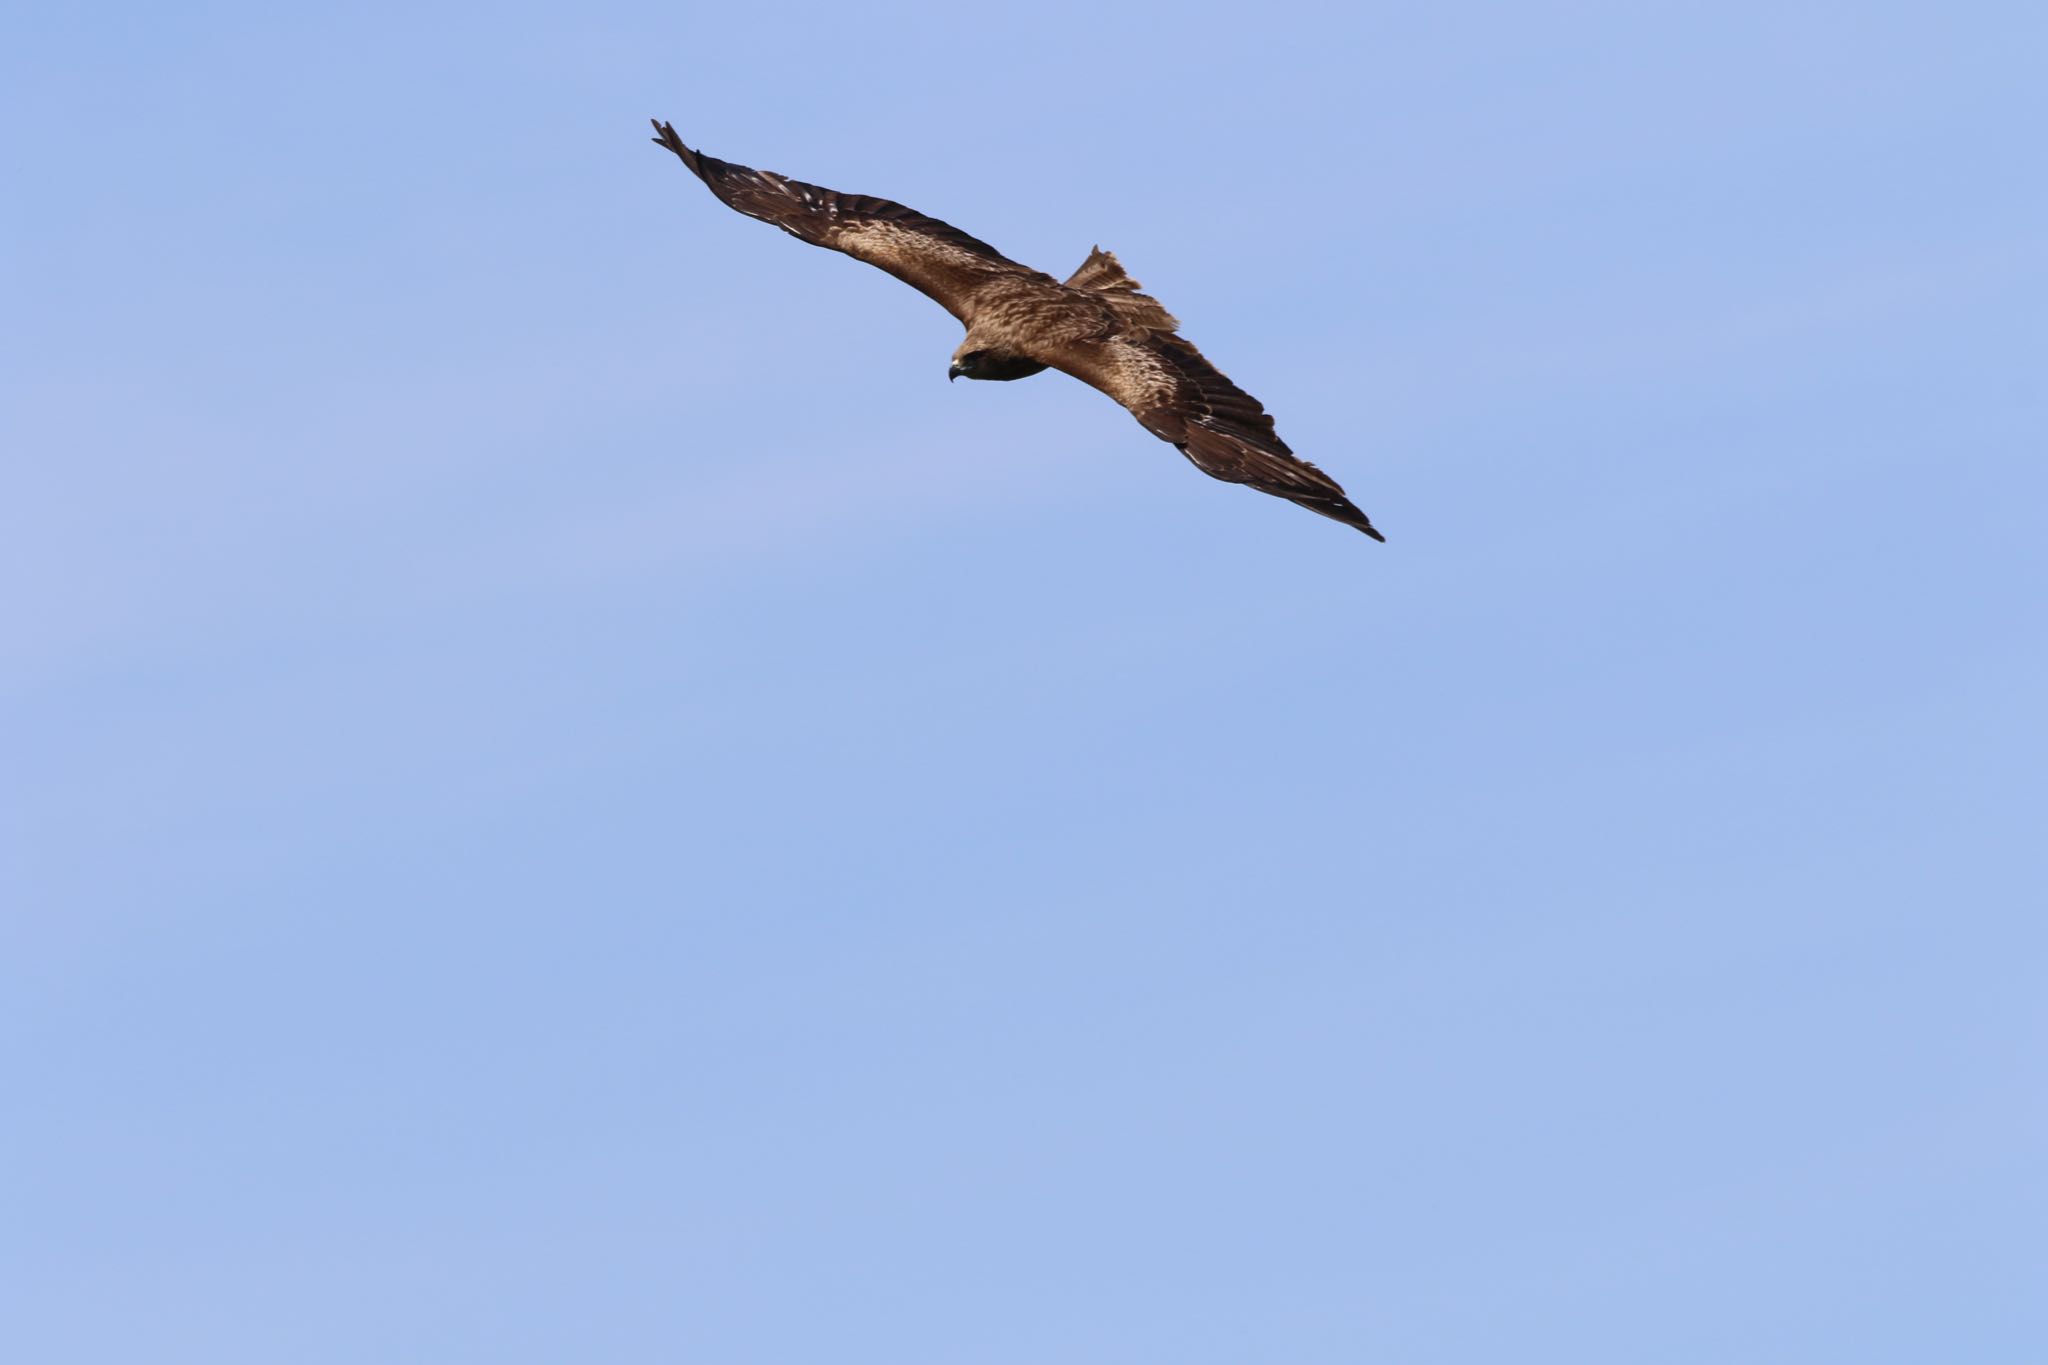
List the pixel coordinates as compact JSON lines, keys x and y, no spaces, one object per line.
{"x":568,"y":798}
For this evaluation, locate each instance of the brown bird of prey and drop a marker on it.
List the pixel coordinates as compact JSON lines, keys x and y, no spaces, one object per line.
{"x":1096,"y":326}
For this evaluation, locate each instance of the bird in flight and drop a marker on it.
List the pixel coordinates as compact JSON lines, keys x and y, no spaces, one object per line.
{"x":1096,"y":326}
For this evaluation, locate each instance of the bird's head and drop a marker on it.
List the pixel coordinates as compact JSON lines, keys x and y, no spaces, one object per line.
{"x":967,"y":362}
{"x":991,"y":363}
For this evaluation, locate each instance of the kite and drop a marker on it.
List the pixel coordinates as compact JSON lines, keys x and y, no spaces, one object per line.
{"x":1096,"y":325}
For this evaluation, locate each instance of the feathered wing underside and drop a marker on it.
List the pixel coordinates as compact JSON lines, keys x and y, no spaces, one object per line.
{"x":1178,"y":396}
{"x":935,"y":258}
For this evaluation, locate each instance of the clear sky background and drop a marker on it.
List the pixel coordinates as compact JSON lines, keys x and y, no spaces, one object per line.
{"x":566,"y":798}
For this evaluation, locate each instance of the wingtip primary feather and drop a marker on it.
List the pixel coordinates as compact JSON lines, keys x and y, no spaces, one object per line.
{"x":1348,"y":512}
{"x":1258,"y":459}
{"x":666,"y":137}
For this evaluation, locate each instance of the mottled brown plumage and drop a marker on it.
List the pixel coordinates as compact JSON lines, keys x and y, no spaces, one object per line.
{"x":1096,"y":326}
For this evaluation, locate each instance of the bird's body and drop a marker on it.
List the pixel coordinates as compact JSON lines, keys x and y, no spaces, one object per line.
{"x":1096,"y":325}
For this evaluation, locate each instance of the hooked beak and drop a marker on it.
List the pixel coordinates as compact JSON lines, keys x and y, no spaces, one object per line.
{"x":954,"y":371}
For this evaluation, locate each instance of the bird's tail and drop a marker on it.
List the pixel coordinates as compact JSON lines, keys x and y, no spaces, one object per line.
{"x":1103,"y":273}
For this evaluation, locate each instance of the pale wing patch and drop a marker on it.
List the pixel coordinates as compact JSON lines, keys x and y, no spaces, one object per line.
{"x":887,"y":241}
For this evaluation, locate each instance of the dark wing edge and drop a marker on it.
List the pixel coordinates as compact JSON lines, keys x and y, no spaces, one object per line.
{"x":1178,"y":396}
{"x":933,"y":257}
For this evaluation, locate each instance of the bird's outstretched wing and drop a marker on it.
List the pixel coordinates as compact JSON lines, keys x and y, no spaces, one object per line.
{"x":1178,"y":396}
{"x":934,"y":258}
